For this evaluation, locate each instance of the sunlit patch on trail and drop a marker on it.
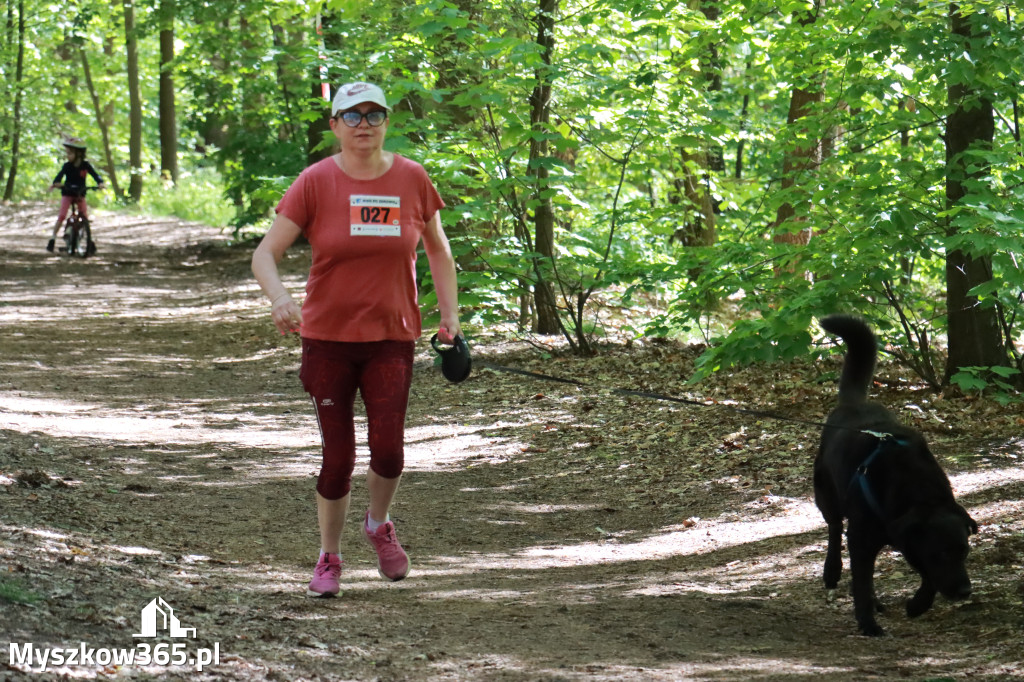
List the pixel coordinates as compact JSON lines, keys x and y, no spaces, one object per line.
{"x":972,"y":482}
{"x":705,"y":536}
{"x":428,"y":448}
{"x":134,"y":551}
{"x":70,"y":418}
{"x":745,"y":667}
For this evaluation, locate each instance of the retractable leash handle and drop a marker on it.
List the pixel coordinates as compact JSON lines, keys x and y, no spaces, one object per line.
{"x":456,"y":362}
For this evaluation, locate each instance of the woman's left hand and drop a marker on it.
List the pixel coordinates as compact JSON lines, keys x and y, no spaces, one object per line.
{"x":450,"y":328}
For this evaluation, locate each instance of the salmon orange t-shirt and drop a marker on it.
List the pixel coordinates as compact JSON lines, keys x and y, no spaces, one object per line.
{"x":364,"y":235}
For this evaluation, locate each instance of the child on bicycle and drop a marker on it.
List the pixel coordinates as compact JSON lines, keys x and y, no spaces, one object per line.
{"x":74,"y":174}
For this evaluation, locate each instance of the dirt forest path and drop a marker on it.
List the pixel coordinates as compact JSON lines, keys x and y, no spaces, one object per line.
{"x":155,"y":444}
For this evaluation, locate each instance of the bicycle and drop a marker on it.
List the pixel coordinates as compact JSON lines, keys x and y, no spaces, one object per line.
{"x":77,"y":232}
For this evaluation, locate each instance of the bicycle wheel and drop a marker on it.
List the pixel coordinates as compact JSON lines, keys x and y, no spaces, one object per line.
{"x":69,"y":235}
{"x":82,"y":238}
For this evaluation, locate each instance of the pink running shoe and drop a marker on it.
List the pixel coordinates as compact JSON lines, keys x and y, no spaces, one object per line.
{"x":392,"y":561}
{"x":325,"y":577}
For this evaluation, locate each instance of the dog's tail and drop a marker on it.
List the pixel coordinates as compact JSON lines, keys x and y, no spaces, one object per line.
{"x":861,"y":352}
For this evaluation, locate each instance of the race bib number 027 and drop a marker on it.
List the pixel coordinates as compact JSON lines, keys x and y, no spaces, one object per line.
{"x":375,"y":216}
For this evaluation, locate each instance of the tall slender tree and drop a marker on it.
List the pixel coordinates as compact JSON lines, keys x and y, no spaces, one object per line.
{"x":693,"y":184}
{"x":168,"y":109}
{"x":319,"y":126}
{"x":19,"y":94}
{"x":806,"y":157}
{"x":101,"y":122}
{"x":543,"y":211}
{"x":974,"y":336}
{"x":135,"y":102}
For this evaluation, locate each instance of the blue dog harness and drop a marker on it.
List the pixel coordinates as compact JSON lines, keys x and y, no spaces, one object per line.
{"x":860,"y":478}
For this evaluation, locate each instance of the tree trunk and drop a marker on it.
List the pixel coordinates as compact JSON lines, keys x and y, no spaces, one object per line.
{"x":5,"y":138}
{"x":693,"y":188}
{"x":744,"y":123}
{"x":973,"y":330}
{"x":218,"y":123}
{"x":135,"y":103}
{"x":698,"y":204}
{"x":316,"y":127}
{"x":543,"y":214}
{"x":19,"y":69}
{"x":289,"y":72}
{"x":168,"y":113}
{"x":251,"y":120}
{"x":798,"y":162}
{"x":320,"y":91}
{"x":456,"y":72}
{"x":906,"y":264}
{"x":101,"y":123}
{"x":802,"y":159}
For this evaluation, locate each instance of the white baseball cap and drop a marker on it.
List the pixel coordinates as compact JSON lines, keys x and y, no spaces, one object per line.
{"x":351,"y":94}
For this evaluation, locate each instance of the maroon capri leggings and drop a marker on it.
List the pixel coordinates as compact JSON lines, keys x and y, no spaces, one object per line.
{"x":381,"y":371}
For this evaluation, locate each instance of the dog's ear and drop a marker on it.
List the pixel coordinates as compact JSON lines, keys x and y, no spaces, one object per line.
{"x":971,"y":523}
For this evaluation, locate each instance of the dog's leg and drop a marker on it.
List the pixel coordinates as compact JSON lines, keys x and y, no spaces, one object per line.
{"x":922,"y":600}
{"x":834,"y":555}
{"x":863,"y":552}
{"x":826,"y":498}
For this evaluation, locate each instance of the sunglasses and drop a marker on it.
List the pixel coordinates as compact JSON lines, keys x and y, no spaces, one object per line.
{"x":353,"y":118}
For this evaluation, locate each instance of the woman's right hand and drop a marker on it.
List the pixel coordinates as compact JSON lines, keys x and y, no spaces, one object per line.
{"x":286,"y":314}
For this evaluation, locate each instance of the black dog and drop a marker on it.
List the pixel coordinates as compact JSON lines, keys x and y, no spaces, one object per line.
{"x":881,"y":477}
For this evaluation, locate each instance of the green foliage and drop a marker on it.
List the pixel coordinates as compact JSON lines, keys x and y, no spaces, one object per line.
{"x":660,"y":112}
{"x":198,"y":197}
{"x":876,"y":205}
{"x":992,"y":381}
{"x":13,"y":591}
